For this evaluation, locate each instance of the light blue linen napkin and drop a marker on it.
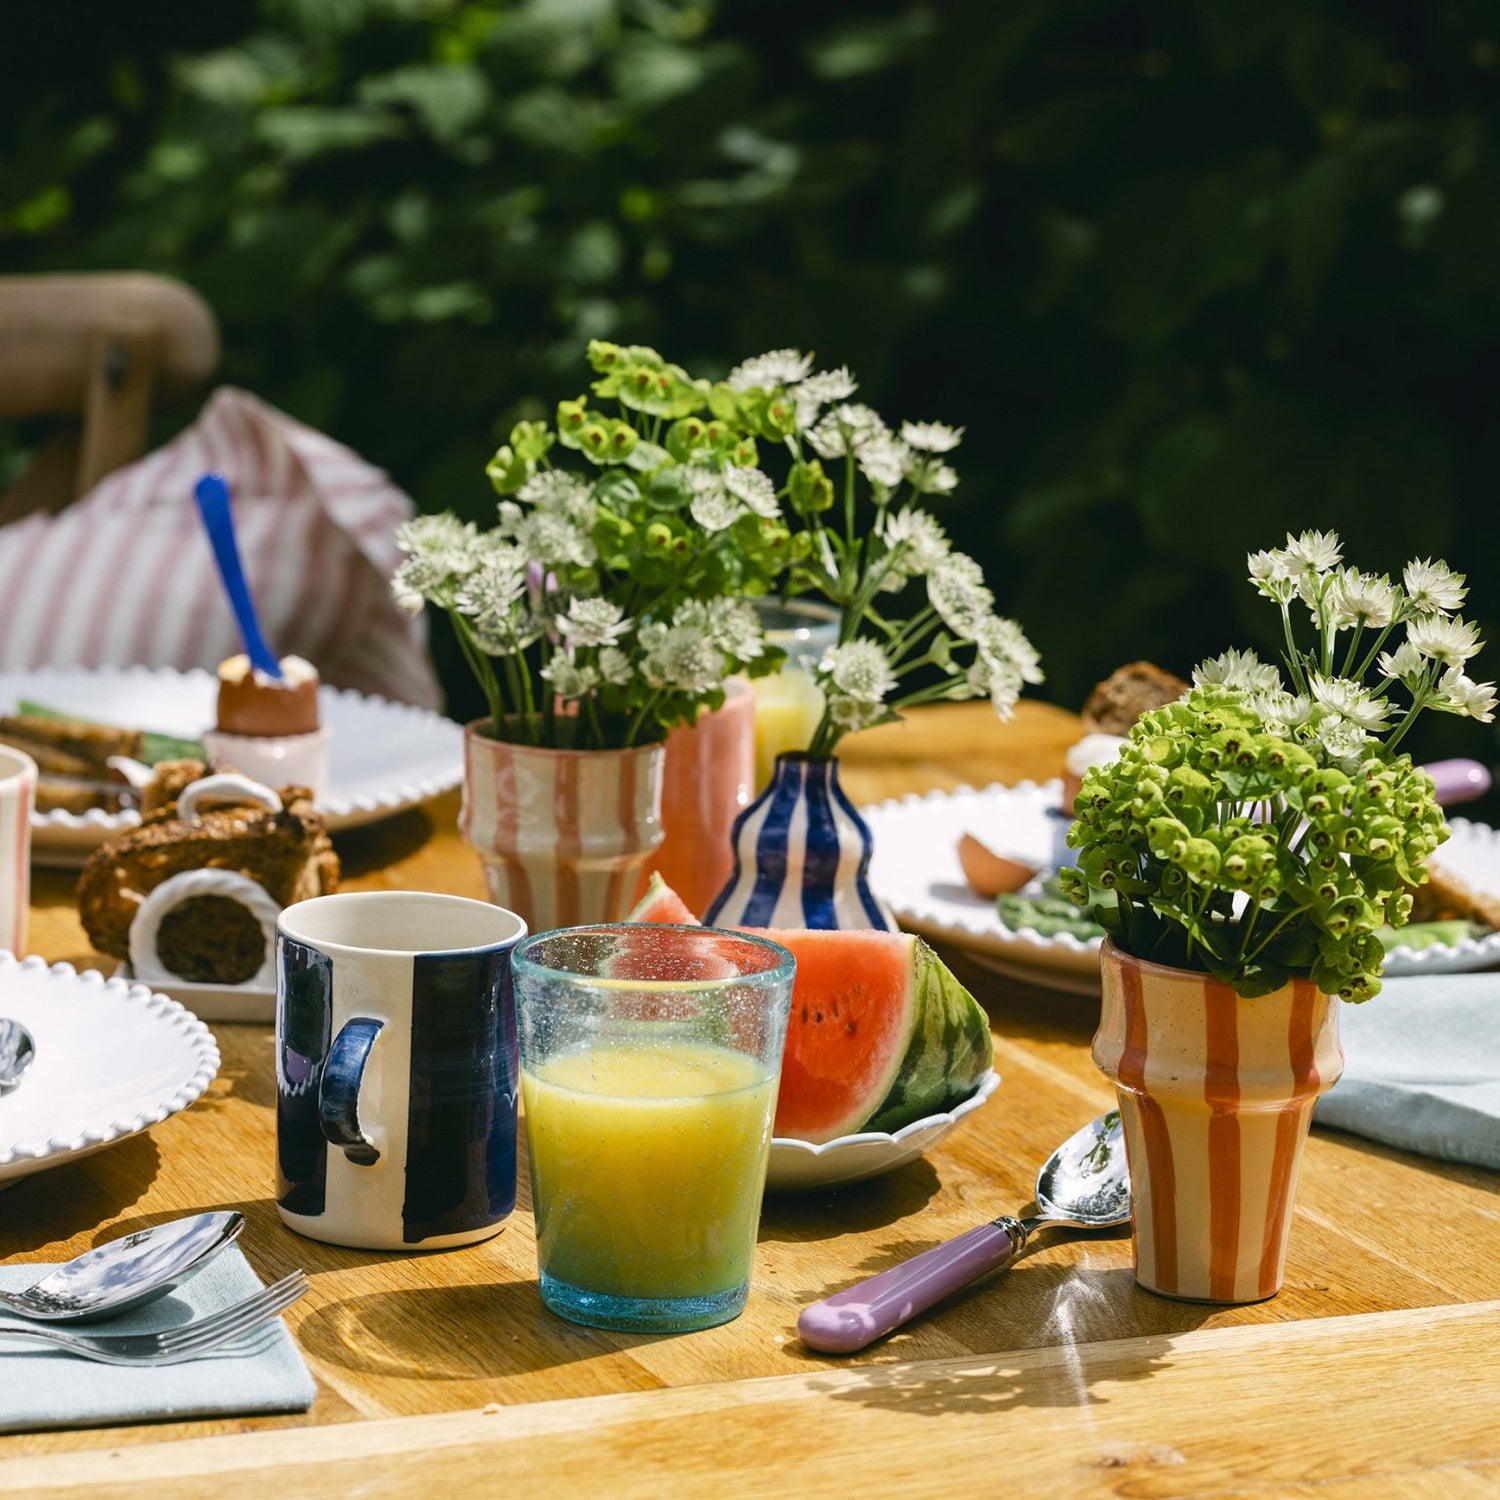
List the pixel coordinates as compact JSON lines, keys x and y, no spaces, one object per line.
{"x":262,"y":1371}
{"x":1422,"y":1068}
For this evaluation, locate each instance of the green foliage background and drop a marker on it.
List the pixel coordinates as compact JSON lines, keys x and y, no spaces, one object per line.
{"x":1191,"y":272}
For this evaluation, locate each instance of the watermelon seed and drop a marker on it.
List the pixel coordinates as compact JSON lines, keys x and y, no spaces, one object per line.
{"x":849,"y":1027}
{"x":818,"y":1017}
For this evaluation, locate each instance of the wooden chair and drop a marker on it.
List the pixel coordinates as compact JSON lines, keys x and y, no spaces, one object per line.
{"x":96,"y":353}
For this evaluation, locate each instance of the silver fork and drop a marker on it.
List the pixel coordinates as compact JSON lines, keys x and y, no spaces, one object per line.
{"x":173,"y":1345}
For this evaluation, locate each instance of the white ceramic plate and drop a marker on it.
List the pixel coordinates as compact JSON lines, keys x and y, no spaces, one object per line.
{"x":801,"y":1167}
{"x":382,"y":756}
{"x":217,"y":1002}
{"x":915,"y":868}
{"x":112,"y":1059}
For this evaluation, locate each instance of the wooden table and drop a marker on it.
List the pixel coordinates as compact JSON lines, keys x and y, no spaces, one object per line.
{"x":1374,"y":1373}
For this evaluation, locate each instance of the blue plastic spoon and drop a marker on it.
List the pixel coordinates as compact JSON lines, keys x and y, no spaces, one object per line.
{"x":212,"y":494}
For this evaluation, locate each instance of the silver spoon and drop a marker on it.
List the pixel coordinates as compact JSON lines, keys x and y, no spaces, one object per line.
{"x":17,"y":1053}
{"x":126,"y":1272}
{"x":1083,"y":1185}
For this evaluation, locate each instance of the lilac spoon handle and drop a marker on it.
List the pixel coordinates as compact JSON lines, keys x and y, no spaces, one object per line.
{"x":1458,"y":780}
{"x":859,"y":1315}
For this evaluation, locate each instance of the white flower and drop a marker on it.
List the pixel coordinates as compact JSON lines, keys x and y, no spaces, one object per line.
{"x":1238,"y":669}
{"x":931,"y":437}
{"x":1003,"y":644}
{"x":1342,"y":739}
{"x":714,"y":510}
{"x":730,"y":624}
{"x":857,"y":669}
{"x":1451,"y":642}
{"x":568,"y":678}
{"x":849,"y":714}
{"x":958,"y":593}
{"x":550,"y":539}
{"x":1405,"y":663}
{"x":1461,"y":695}
{"x":753,"y":489}
{"x":818,"y":390}
{"x":553,"y":489}
{"x":1349,"y":700}
{"x":440,"y":535}
{"x":766,"y":371}
{"x":929,"y":478}
{"x":1432,"y":587}
{"x":1280,"y":712}
{"x":882,"y":460}
{"x":923,"y":542}
{"x":995,"y":680}
{"x":1313,"y":551}
{"x":1357,"y":598}
{"x":682,"y":659}
{"x":614,"y":666}
{"x":1272,"y":574}
{"x":847,"y":429}
{"x":592,"y":622}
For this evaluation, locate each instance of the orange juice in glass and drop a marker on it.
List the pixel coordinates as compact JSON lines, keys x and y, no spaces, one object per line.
{"x":649,"y":1063}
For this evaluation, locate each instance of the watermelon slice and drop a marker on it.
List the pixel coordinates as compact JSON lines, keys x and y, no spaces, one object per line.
{"x":881,"y":1032}
{"x":662,"y":904}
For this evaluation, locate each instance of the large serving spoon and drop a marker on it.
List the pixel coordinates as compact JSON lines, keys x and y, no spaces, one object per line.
{"x":17,"y":1052}
{"x":212,"y":495}
{"x":1083,"y":1185}
{"x":127,"y":1272}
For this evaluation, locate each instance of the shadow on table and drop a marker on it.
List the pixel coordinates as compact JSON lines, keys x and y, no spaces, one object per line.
{"x":374,"y":846}
{"x":854,"y":1209}
{"x":62,"y":1201}
{"x":447,"y":1333}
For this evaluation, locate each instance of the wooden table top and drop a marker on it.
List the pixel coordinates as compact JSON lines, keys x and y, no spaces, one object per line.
{"x":1373,"y":1373}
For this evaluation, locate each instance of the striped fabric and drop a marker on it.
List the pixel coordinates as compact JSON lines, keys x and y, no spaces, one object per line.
{"x":1216,"y":1094}
{"x":125,"y":574}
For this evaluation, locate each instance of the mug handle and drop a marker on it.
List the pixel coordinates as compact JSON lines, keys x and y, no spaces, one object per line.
{"x":338,"y":1092}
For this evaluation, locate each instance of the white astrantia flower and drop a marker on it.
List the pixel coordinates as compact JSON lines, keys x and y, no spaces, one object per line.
{"x":1459,"y":694}
{"x":846,"y":429}
{"x":882,"y":460}
{"x":1349,"y":700}
{"x":1004,"y":643}
{"x":1273,"y":574}
{"x":1432,"y":587}
{"x":592,"y":622}
{"x":767,"y":371}
{"x":614,"y":666}
{"x":957,"y":591}
{"x":929,"y":478}
{"x":931,"y":437}
{"x":857,"y":669}
{"x":1356,"y":598}
{"x":1404,"y":664}
{"x":1238,"y":669}
{"x":1280,"y":712}
{"x":715,"y":509}
{"x":1313,"y":551}
{"x":730,"y":624}
{"x":435,"y":535}
{"x":683,"y":659}
{"x":569,"y":679}
{"x":997,"y":680}
{"x":814,"y":393}
{"x":552,"y":489}
{"x":754,"y":490}
{"x":850,"y":714}
{"x":1450,"y":641}
{"x":923,"y":542}
{"x":552,"y":540}
{"x":1342,"y":739}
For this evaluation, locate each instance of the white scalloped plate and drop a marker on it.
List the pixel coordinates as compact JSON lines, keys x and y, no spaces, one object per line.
{"x":915,"y":869}
{"x":112,"y":1059}
{"x":800,"y":1167}
{"x":383,"y":757}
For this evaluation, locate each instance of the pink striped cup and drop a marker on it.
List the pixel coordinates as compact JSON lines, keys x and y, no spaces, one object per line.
{"x":17,"y":799}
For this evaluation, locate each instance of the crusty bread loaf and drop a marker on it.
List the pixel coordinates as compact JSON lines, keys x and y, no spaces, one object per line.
{"x":1444,"y":896}
{"x":1126,"y":694}
{"x":287,"y":852}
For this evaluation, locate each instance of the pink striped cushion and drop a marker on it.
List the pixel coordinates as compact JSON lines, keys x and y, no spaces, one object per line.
{"x":125,"y":574}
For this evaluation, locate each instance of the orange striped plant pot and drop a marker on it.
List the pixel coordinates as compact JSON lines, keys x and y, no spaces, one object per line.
{"x":563,"y":835}
{"x":1216,"y":1094}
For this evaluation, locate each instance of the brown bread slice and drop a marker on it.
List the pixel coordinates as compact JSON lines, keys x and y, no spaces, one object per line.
{"x":1126,"y":694}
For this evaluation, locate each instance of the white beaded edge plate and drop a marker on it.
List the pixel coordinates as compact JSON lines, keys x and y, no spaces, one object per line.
{"x":383,"y":757}
{"x":112,"y":1059}
{"x":915,"y":869}
{"x":801,"y":1167}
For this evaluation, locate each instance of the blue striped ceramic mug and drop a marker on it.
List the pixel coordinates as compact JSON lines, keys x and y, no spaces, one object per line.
{"x":396,"y":1069}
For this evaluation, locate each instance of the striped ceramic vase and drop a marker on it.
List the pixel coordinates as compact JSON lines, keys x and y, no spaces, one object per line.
{"x":563,"y":835}
{"x":1216,"y":1094}
{"x":801,"y":856}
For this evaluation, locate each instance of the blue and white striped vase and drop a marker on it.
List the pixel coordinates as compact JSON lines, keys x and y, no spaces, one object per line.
{"x":801,"y":856}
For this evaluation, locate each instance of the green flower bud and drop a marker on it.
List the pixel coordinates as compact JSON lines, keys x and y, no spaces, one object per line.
{"x":604,"y":357}
{"x":658,"y":536}
{"x":1189,"y":788}
{"x":507,"y":471}
{"x":1201,"y":861}
{"x":1168,"y":838}
{"x":810,"y":489}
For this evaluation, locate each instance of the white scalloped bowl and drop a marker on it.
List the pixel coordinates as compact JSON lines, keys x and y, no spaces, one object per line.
{"x":915,"y":869}
{"x":801,"y":1167}
{"x":383,"y":757}
{"x":112,"y":1059}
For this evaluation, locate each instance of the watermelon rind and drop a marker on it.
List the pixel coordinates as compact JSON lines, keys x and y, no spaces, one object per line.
{"x":949,"y":1050}
{"x":662,"y":904}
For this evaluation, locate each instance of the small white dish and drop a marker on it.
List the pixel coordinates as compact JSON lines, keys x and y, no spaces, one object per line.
{"x":383,"y":757}
{"x":801,"y":1167}
{"x":112,"y":1059}
{"x":915,"y":869}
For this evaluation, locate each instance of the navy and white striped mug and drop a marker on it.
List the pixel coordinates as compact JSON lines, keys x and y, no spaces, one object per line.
{"x":396,"y":1069}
